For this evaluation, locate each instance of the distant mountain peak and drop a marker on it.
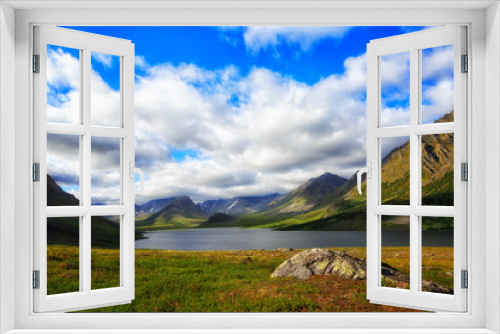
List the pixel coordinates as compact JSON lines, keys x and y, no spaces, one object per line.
{"x":56,"y":196}
{"x":183,"y":201}
{"x":308,"y":194}
{"x":237,"y":205}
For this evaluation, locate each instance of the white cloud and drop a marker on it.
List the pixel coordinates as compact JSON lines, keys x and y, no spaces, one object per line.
{"x":141,"y":63}
{"x":437,"y":63}
{"x":395,"y":89}
{"x":104,"y":102}
{"x":63,"y":81}
{"x":395,"y":70}
{"x":105,"y":59}
{"x":260,"y":37}
{"x":278,"y":128}
{"x":437,"y":82}
{"x":439,"y":99}
{"x":257,"y":134}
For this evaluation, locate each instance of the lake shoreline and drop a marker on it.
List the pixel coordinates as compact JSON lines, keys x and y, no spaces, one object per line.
{"x":235,"y":238}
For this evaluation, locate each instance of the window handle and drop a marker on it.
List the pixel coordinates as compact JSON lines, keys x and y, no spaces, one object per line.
{"x":368,"y":171}
{"x":135,"y":170}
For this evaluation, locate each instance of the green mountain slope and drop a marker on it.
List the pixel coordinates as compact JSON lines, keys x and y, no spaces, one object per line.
{"x":105,"y":233}
{"x":345,"y":209}
{"x":305,"y":197}
{"x":181,"y":213}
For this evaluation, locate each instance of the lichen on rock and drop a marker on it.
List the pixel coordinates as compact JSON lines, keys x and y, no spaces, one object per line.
{"x":319,"y":261}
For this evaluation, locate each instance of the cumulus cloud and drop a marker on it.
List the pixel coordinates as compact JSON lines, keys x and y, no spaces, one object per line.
{"x":104,"y":102}
{"x":259,"y":133}
{"x":258,"y":38}
{"x":254,"y":134}
{"x":63,"y":159}
{"x":63,"y":87}
{"x":395,"y":89}
{"x":63,"y":154}
{"x":141,"y":63}
{"x":105,"y":59}
{"x":437,"y":86}
{"x":437,"y":82}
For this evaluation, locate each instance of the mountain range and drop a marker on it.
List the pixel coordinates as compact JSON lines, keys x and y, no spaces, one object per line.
{"x":237,"y":205}
{"x":152,"y":206}
{"x":105,"y":233}
{"x":326,"y":202}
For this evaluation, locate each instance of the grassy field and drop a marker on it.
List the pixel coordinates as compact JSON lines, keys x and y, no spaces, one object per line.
{"x":232,"y":281}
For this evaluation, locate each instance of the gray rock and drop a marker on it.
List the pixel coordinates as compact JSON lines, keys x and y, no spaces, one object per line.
{"x":319,"y":261}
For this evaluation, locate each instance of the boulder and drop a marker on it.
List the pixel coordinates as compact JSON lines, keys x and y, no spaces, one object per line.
{"x":319,"y":261}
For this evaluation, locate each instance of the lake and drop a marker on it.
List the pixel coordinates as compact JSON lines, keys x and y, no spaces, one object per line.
{"x":235,"y":238}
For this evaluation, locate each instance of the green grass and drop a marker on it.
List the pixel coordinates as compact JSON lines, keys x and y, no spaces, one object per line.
{"x":173,"y":224}
{"x":230,"y":281}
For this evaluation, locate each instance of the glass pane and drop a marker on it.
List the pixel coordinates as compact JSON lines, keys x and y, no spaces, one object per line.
{"x":63,"y":255}
{"x":106,"y":175}
{"x":105,"y":252}
{"x":395,"y":252}
{"x":438,"y":169}
{"x":63,"y":170}
{"x":395,"y":187}
{"x":437,"y":254}
{"x":105,"y":90}
{"x":63,"y":85}
{"x":395,"y":89}
{"x":437,"y":85}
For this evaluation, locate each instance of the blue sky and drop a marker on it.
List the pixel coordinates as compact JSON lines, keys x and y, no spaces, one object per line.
{"x":231,"y":111}
{"x":215,"y":47}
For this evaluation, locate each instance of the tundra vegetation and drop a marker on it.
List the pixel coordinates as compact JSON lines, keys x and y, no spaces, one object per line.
{"x":239,"y":281}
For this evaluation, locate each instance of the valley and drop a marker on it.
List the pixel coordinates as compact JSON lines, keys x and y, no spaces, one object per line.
{"x":325,"y":203}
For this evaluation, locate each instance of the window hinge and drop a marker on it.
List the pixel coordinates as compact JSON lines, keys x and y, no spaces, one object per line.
{"x":36,"y":279}
{"x":464,"y":167}
{"x":36,"y":172}
{"x":465,"y":279}
{"x":465,"y":64}
{"x":36,"y":63}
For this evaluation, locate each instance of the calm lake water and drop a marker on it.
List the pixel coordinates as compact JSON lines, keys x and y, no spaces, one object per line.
{"x":234,"y":238}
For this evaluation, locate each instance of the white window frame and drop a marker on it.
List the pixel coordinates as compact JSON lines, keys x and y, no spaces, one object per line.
{"x":484,"y":102}
{"x":413,"y":43}
{"x":86,"y":43}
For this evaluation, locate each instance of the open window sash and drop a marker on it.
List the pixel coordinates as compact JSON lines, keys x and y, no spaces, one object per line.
{"x":84,"y":296}
{"x":414,"y":43}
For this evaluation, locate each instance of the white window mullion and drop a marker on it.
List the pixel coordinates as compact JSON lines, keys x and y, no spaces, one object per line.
{"x":372,"y":188}
{"x":413,"y":43}
{"x":86,"y":297}
{"x":460,"y":156}
{"x":406,"y":210}
{"x":39,"y":156}
{"x":86,"y":246}
{"x":415,"y":170}
{"x":127,"y":250}
{"x":79,"y":129}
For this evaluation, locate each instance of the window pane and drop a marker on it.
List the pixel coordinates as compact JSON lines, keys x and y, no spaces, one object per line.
{"x":105,"y":90}
{"x":395,"y":188}
{"x":105,"y":252}
{"x":437,"y":84}
{"x":437,"y":254}
{"x":63,"y":170}
{"x":63,"y":85}
{"x":438,"y":169}
{"x":63,"y":255}
{"x":395,"y":89}
{"x":395,"y":252}
{"x":106,"y":175}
